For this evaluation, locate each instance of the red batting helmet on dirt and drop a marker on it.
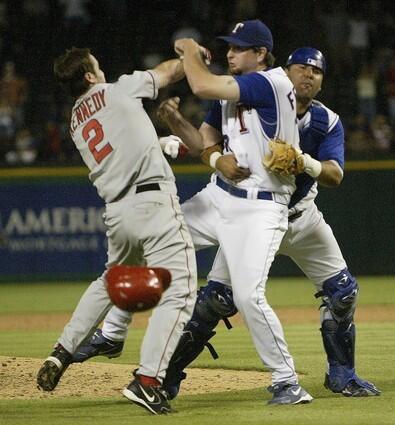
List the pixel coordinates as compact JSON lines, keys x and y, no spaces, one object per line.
{"x":136,"y":288}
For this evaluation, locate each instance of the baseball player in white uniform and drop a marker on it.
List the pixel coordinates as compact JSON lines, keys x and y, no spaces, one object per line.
{"x":247,"y":219}
{"x":145,"y":225}
{"x":309,"y":241}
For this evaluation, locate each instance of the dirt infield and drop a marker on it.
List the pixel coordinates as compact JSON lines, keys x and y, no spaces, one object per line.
{"x":18,"y":380}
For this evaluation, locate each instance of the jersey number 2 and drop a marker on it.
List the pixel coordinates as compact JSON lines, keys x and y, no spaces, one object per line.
{"x":93,"y":134}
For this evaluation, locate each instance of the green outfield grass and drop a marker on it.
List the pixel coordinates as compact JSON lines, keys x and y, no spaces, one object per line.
{"x":375,"y":355}
{"x":62,"y":297}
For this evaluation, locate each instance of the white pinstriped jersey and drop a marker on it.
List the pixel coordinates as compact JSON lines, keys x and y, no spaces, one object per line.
{"x":267,"y":109}
{"x":115,"y":136}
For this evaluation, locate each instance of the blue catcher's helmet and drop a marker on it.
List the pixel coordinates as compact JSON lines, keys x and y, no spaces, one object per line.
{"x":307,"y":56}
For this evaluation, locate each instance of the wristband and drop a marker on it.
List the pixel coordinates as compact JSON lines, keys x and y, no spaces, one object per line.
{"x":214,"y":158}
{"x":311,"y":166}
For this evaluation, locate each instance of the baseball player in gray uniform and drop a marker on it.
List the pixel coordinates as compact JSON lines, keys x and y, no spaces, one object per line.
{"x":247,"y":219}
{"x":145,"y":225}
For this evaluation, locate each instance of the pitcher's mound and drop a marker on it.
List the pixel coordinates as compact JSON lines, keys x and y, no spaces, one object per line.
{"x":91,"y":379}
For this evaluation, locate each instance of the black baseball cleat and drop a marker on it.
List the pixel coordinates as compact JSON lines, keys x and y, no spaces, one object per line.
{"x":53,"y":368}
{"x":356,"y":387}
{"x":98,"y":345}
{"x":152,"y":398}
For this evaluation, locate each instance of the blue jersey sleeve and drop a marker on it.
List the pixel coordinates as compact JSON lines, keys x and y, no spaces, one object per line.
{"x":332,"y":147}
{"x":255,"y":90}
{"x":214,"y":116}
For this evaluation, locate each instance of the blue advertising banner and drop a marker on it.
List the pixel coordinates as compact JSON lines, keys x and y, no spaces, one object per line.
{"x":51,"y":224}
{"x":53,"y":228}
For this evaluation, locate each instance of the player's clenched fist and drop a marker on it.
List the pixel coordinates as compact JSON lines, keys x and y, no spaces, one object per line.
{"x":168,"y":110}
{"x":183,"y":44}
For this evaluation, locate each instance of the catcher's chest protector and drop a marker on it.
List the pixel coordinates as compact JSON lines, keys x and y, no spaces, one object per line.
{"x":312,"y":137}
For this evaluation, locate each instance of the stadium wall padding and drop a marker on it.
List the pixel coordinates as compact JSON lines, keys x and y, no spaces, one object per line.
{"x":51,"y":224}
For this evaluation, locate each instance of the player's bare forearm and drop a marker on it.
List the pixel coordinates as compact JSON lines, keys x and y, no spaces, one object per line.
{"x":206,"y":85}
{"x":169,"y":72}
{"x":331,"y":174}
{"x":202,"y":82}
{"x":169,"y":113}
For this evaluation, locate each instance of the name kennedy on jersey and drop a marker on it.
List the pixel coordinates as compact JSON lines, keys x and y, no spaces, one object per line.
{"x":88,"y":107}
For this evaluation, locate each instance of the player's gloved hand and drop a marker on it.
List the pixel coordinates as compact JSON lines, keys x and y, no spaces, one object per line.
{"x":228,"y":166}
{"x":173,"y":146}
{"x":283,"y":159}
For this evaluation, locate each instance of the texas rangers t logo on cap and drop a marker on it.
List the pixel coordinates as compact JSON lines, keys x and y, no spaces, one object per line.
{"x":252,"y":33}
{"x":237,"y":26}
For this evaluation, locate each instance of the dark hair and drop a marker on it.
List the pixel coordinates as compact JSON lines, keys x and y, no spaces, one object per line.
{"x":269,"y":57}
{"x":70,"y":69}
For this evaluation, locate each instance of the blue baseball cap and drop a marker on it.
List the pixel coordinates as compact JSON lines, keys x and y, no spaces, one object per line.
{"x":307,"y":56}
{"x":252,"y":33}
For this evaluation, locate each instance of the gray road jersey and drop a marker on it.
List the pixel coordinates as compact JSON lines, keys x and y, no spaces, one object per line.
{"x":116,"y":137}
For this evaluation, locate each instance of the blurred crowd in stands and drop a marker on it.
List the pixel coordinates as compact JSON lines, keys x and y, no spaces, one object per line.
{"x":357,"y":38}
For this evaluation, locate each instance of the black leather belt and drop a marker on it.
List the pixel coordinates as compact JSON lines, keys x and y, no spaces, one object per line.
{"x":294,"y":216}
{"x":139,"y":189}
{"x":242,"y":193}
{"x":147,"y":187}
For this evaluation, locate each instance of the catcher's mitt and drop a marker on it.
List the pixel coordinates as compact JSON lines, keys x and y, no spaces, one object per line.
{"x":284,"y":160}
